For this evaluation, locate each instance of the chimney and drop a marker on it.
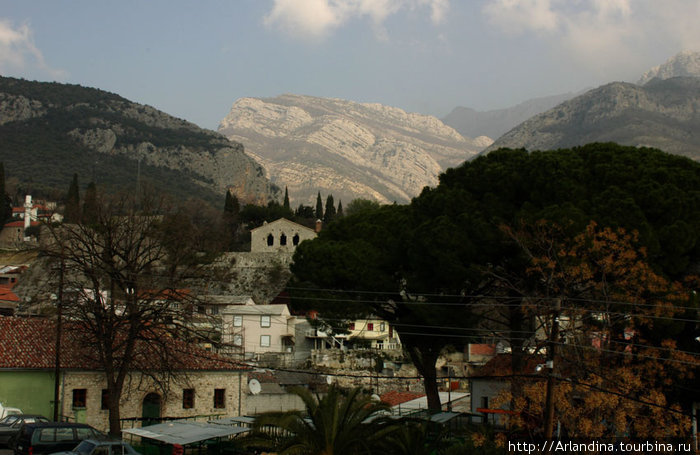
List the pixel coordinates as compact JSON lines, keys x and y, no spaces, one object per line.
{"x":319,"y":225}
{"x":27,"y":211}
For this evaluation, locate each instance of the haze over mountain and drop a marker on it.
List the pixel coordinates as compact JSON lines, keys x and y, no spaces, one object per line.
{"x":495,"y":123}
{"x":347,"y":149}
{"x":663,"y":114}
{"x":48,"y":131}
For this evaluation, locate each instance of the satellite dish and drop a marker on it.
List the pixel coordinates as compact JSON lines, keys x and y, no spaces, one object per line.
{"x":375,"y":397}
{"x":254,"y":386}
{"x":329,"y":380}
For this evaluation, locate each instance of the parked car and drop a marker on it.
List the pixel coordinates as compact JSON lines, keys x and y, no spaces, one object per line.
{"x":10,"y":425}
{"x":44,"y":438}
{"x":97,"y":447}
{"x":5,"y":411}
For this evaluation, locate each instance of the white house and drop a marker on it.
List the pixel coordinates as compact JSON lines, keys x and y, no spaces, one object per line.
{"x":279,"y":235}
{"x":259,"y":329}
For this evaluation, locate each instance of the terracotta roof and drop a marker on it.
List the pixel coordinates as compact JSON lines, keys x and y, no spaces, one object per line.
{"x":7,"y":295}
{"x":501,"y":366}
{"x":482,"y":349}
{"x":20,"y":223}
{"x":395,"y":397}
{"x":29,"y":343}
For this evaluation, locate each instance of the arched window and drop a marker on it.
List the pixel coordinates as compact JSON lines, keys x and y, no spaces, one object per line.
{"x":270,"y":240}
{"x":283,"y":240}
{"x":295,"y":240}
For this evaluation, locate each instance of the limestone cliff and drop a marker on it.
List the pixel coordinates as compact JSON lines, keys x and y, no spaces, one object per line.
{"x":347,"y":149}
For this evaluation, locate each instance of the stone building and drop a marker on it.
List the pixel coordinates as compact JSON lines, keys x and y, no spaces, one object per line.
{"x":204,"y":384}
{"x":279,"y":236}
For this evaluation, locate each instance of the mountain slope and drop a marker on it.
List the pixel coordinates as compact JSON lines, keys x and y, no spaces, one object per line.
{"x":48,"y":131}
{"x":471,"y":123}
{"x":347,"y":149}
{"x":663,"y":114}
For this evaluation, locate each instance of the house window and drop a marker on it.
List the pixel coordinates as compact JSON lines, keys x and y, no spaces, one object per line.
{"x":79,"y":398}
{"x":104,"y":401}
{"x":485,"y":402}
{"x":352,"y":326}
{"x":283,"y":240}
{"x":382,"y":327}
{"x":370,"y":326}
{"x":219,"y":398}
{"x":295,"y":240}
{"x":265,"y":341}
{"x":265,"y":321}
{"x":238,"y":340}
{"x":214,"y":310}
{"x":237,"y":321}
{"x":270,"y":240}
{"x":187,"y":398}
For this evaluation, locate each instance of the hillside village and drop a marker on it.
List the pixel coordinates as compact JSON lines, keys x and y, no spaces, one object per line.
{"x":263,"y":348}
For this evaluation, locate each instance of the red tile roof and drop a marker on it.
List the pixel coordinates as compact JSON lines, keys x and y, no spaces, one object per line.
{"x":501,"y":366}
{"x":395,"y":398}
{"x":29,"y":343}
{"x":482,"y":349}
{"x":7,"y":295}
{"x":20,"y":223}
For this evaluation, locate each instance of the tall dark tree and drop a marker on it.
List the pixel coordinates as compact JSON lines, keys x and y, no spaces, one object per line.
{"x":90,"y":204}
{"x":5,"y":201}
{"x":340,"y":213}
{"x":330,"y":209}
{"x":286,"y":199}
{"x":232,"y":218}
{"x":319,"y":207}
{"x":72,"y":213}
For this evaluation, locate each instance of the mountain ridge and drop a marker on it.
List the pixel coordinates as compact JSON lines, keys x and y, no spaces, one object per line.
{"x":103,"y":136}
{"x":351,"y":150}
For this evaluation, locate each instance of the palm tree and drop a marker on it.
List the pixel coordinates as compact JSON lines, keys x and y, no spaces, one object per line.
{"x":340,"y":423}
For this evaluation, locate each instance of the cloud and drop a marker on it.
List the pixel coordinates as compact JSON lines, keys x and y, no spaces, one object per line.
{"x":18,"y":53}
{"x":601,"y":31}
{"x":315,"y":19}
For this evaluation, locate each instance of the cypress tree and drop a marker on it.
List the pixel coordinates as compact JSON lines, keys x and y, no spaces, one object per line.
{"x":286,"y":200}
{"x":330,"y":209}
{"x":232,"y":210}
{"x":90,"y":204}
{"x":319,"y":207}
{"x":340,"y":209}
{"x":5,"y":201}
{"x":72,"y":214}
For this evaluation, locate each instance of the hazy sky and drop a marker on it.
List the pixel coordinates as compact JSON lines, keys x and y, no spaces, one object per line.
{"x":194,"y":59}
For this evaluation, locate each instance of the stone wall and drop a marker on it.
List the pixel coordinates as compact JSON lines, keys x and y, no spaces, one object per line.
{"x":137,"y":387}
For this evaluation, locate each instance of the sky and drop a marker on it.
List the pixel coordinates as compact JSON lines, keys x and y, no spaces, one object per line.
{"x":194,"y":59}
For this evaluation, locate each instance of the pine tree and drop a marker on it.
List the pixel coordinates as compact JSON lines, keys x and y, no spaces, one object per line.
{"x":5,"y":201}
{"x":319,"y":207}
{"x":286,"y":199}
{"x":72,"y":213}
{"x":90,"y":204}
{"x":330,"y":209}
{"x":340,"y":213}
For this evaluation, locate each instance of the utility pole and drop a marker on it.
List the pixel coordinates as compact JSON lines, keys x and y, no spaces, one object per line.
{"x":57,"y":365}
{"x":551,"y":353}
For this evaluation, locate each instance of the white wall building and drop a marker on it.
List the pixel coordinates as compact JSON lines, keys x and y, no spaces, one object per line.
{"x":279,"y":235}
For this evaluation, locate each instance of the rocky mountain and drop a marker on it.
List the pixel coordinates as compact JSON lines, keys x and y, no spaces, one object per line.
{"x":495,"y":123}
{"x":48,"y":131}
{"x":347,"y":149}
{"x":664,"y":114}
{"x":683,"y":64}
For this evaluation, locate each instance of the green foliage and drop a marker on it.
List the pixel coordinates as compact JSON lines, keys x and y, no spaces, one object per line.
{"x":337,"y":424}
{"x":255,"y":215}
{"x":90,"y":204}
{"x":5,"y":202}
{"x":361,"y":205}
